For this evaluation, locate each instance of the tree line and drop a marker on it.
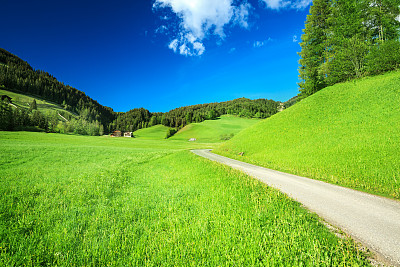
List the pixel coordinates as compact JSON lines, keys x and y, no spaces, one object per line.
{"x":32,"y":119}
{"x":347,"y":39}
{"x":17,"y":75}
{"x":94,"y":119}
{"x":177,"y":118}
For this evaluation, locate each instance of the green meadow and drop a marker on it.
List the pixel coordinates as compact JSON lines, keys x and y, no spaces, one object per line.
{"x":212,"y":131}
{"x":71,"y":200}
{"x":23,"y":101}
{"x":347,"y":134}
{"x":157,"y":132}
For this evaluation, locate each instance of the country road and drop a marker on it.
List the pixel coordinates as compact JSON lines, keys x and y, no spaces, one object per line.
{"x":374,"y":221}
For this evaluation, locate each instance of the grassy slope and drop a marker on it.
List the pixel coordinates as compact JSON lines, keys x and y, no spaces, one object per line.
{"x":347,"y":134}
{"x":77,"y":200}
{"x":23,"y":101}
{"x":157,"y":132}
{"x":210,"y":131}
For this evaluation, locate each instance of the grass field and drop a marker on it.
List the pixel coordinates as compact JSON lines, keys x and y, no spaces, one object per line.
{"x":157,"y":132}
{"x":23,"y":101}
{"x":211,"y":131}
{"x":98,"y":201}
{"x":347,"y":134}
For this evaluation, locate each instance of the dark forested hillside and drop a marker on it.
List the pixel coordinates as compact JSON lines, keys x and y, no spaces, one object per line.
{"x":95,"y":119}
{"x":18,"y":75}
{"x":243,"y":107}
{"x":177,"y":118}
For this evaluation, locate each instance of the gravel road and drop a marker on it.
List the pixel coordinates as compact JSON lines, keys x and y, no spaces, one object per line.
{"x":374,"y":221}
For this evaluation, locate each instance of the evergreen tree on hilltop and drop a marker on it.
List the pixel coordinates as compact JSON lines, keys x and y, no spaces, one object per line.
{"x":33,"y":105}
{"x":382,"y":19}
{"x":347,"y":39}
{"x":313,"y":47}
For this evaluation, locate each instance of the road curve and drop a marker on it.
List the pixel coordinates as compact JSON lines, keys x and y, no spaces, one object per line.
{"x":374,"y":221}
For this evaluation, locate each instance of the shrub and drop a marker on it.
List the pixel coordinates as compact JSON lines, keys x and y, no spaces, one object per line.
{"x":384,"y":57}
{"x":170,"y":132}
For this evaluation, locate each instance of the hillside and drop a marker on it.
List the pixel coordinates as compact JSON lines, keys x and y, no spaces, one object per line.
{"x":157,"y":132}
{"x":24,"y":101}
{"x":346,"y":134}
{"x":217,"y":130}
{"x":18,"y":76}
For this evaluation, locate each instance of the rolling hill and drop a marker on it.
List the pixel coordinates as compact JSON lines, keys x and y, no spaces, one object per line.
{"x":157,"y":132}
{"x":346,"y":134}
{"x":211,"y":131}
{"x":23,"y":101}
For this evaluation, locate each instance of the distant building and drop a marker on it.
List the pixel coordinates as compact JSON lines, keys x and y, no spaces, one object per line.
{"x":281,"y":107}
{"x":7,"y":98}
{"x":116,"y":134}
{"x":127,"y":134}
{"x":192,"y":139}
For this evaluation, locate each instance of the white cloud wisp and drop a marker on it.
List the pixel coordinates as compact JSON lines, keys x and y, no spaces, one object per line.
{"x":200,"y":18}
{"x":292,"y":4}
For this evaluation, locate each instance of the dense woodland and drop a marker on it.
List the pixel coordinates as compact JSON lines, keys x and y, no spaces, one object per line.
{"x":93,"y":118}
{"x":179,"y":117}
{"x":347,"y":39}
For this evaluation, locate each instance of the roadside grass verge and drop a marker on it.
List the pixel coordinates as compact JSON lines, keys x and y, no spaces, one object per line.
{"x":71,"y":200}
{"x":347,"y":134}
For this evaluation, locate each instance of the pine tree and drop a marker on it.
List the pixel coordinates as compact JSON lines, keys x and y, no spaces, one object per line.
{"x":313,"y":47}
{"x":348,"y":40}
{"x":33,"y":105}
{"x":6,"y":116}
{"x":382,"y":19}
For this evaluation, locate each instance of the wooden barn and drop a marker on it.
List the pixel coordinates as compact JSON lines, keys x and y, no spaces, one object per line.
{"x":116,"y":134}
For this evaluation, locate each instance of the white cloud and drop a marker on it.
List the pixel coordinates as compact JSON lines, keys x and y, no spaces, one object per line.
{"x":173,"y":45}
{"x":162,"y":29}
{"x":295,"y":40}
{"x":201,"y":18}
{"x":258,"y":44}
{"x":232,"y":50}
{"x":301,"y":4}
{"x":292,"y":4}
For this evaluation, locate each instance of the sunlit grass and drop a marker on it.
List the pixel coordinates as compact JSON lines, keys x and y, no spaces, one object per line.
{"x":80,"y":201}
{"x":23,"y":101}
{"x":347,"y":134}
{"x":157,"y":132}
{"x":213,"y":130}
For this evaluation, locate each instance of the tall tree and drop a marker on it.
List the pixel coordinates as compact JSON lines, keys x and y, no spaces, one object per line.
{"x":33,"y":105}
{"x":313,"y":47}
{"x":382,"y":19}
{"x":348,"y":40}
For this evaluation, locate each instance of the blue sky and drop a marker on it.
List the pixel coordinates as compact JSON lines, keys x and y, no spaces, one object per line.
{"x":161,"y":54}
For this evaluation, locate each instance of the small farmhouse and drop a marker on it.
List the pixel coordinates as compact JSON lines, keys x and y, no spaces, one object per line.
{"x":127,"y":134}
{"x":116,"y":134}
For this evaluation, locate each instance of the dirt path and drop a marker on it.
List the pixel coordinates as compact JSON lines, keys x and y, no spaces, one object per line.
{"x":374,"y":221}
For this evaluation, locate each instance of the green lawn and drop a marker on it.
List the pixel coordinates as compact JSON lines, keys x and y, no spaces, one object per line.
{"x":347,"y":134}
{"x":211,"y":131}
{"x":157,"y":132}
{"x":100,"y":201}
